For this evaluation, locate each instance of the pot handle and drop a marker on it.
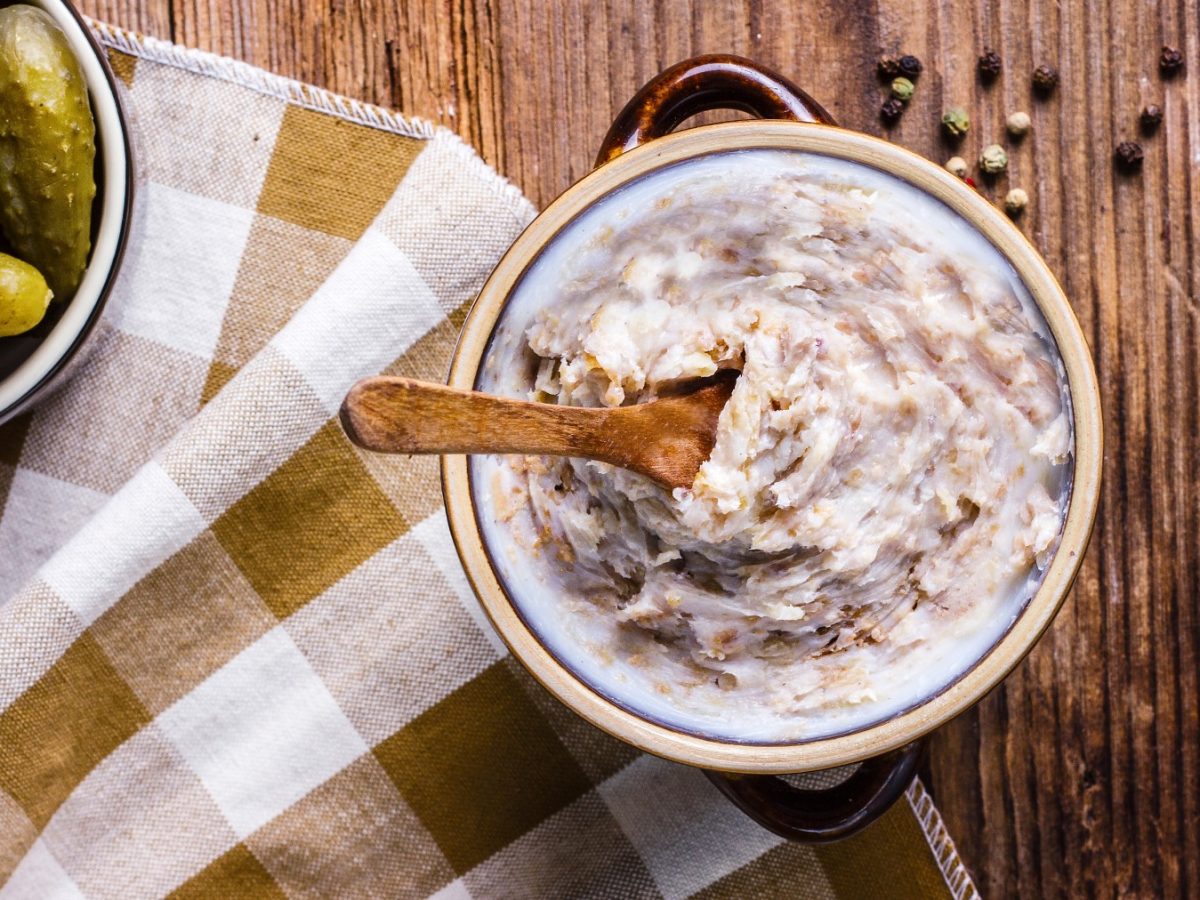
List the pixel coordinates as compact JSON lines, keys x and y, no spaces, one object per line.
{"x":822,"y":816}
{"x":718,"y":81}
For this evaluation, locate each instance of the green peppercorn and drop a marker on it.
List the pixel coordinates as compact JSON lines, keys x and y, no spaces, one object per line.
{"x":955,"y":122}
{"x":902,"y":89}
{"x":993,"y":160}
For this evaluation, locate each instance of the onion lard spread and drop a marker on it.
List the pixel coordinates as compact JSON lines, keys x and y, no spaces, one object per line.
{"x":887,"y":484}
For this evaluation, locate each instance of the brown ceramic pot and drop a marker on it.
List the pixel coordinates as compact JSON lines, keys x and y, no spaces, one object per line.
{"x":640,"y":142}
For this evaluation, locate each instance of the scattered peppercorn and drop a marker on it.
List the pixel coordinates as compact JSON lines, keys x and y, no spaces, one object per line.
{"x":1045,"y":79}
{"x":902,"y":89}
{"x":956,"y":165}
{"x":910,"y":66}
{"x":1170,"y":61}
{"x":1015,"y":202}
{"x":888,"y":67}
{"x":989,"y":65}
{"x":955,"y":122}
{"x":1129,"y":155}
{"x":1151,"y":118}
{"x":891,"y":111}
{"x":1018,"y":124}
{"x":993,"y":160}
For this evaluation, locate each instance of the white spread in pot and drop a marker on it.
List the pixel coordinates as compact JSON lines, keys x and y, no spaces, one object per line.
{"x":886,"y":485}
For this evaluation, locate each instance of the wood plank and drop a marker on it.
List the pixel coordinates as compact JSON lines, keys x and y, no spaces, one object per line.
{"x":150,"y":17}
{"x":1081,"y":775}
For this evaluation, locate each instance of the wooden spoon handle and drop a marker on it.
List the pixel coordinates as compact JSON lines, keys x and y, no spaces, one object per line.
{"x":400,"y":415}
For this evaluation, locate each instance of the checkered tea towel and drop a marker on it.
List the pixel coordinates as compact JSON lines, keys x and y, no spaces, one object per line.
{"x":238,"y":657}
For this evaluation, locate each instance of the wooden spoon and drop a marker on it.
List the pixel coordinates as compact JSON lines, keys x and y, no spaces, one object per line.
{"x":666,"y":440}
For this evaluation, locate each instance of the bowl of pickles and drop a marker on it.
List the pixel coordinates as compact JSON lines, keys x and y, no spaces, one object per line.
{"x":65,"y":195}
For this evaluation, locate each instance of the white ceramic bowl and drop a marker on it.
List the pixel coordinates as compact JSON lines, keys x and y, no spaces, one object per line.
{"x":34,"y":363}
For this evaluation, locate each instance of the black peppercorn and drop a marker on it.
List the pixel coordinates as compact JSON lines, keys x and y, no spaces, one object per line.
{"x":1129,"y":156}
{"x":989,"y":65}
{"x":910,"y":67}
{"x":1151,"y":118}
{"x":891,"y":111}
{"x":1170,"y":61}
{"x":1045,"y":79}
{"x":888,"y":67}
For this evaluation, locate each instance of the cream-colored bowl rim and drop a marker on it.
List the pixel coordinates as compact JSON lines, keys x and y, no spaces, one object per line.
{"x":1012,"y":647}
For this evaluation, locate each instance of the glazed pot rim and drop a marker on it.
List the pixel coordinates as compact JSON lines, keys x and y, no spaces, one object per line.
{"x":905,"y":726}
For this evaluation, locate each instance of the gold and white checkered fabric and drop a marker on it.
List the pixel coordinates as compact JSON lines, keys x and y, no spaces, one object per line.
{"x":238,"y":657}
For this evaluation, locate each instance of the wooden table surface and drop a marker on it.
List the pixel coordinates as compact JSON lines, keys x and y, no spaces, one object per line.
{"x":1081,"y":775}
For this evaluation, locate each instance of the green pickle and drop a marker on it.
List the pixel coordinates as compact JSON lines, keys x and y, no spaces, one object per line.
{"x":24,"y":296}
{"x":47,"y":148}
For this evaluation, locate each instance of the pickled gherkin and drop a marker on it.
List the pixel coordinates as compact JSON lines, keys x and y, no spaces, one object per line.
{"x":47,"y":148}
{"x":24,"y":296}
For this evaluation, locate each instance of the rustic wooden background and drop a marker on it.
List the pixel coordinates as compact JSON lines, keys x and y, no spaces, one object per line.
{"x":1081,"y":775}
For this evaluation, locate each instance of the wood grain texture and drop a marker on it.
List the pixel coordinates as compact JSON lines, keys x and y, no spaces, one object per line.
{"x":1081,"y":775}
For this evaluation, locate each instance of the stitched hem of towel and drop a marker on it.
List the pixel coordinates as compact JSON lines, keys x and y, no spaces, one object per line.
{"x":958,"y":879}
{"x":244,"y":75}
